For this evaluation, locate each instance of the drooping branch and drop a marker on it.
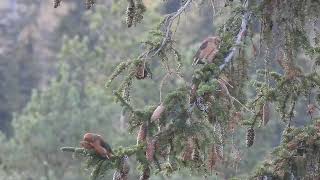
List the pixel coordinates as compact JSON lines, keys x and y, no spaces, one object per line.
{"x":168,"y":24}
{"x":241,"y":34}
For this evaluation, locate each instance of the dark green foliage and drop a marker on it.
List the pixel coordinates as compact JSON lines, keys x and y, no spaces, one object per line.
{"x":296,"y":157}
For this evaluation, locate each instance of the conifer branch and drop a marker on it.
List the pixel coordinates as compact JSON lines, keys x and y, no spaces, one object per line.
{"x":241,"y":34}
{"x":168,"y":24}
{"x":123,"y":102}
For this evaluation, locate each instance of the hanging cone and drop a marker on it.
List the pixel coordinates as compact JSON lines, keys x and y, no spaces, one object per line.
{"x":142,"y":134}
{"x":116,"y":175}
{"x":125,"y":168}
{"x":146,"y":174}
{"x":89,"y":3}
{"x":130,"y":13}
{"x":266,"y":113}
{"x":219,"y":146}
{"x":201,"y":104}
{"x":235,"y":154}
{"x":56,"y":3}
{"x":195,"y":155}
{"x":250,"y":137}
{"x":141,"y":71}
{"x":157,"y":113}
{"x":212,"y":159}
{"x":311,"y":109}
{"x":193,"y":93}
{"x":187,"y":153}
{"x":151,"y":149}
{"x":219,"y":151}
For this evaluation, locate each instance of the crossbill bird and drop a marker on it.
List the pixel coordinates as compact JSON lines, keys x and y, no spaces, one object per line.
{"x":94,"y":141}
{"x":208,"y":50}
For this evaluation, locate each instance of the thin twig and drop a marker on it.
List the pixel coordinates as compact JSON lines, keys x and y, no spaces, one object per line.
{"x":213,"y":9}
{"x":169,"y":21}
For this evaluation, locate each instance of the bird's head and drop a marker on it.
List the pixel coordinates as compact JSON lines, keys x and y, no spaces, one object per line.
{"x":90,"y":137}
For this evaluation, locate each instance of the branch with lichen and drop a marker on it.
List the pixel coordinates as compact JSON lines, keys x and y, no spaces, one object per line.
{"x":238,"y":41}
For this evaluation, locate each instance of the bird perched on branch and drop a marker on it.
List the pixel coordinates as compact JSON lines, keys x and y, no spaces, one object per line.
{"x":208,"y":50}
{"x":95,"y":142}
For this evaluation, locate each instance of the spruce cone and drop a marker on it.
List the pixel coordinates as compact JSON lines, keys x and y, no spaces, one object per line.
{"x":157,"y":113}
{"x":195,"y":154}
{"x":56,"y":3}
{"x":193,"y":93}
{"x":88,"y":4}
{"x":250,"y":137}
{"x":311,"y":109}
{"x":146,"y":174}
{"x":212,"y":159}
{"x":139,"y":10}
{"x":116,"y":175}
{"x":151,"y":149}
{"x":266,"y":113}
{"x":219,"y":147}
{"x":235,"y":154}
{"x":130,"y":13}
{"x":219,"y":151}
{"x":142,"y":134}
{"x":187,"y":153}
{"x":141,"y":71}
{"x":125,"y":168}
{"x":201,"y":104}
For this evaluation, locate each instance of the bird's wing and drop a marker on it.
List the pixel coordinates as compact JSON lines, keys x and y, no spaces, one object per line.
{"x":199,"y":54}
{"x":106,"y":146}
{"x":99,"y":149}
{"x":208,"y":51}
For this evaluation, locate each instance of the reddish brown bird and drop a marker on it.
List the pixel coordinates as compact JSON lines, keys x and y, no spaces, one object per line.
{"x":95,"y":141}
{"x":208,"y":50}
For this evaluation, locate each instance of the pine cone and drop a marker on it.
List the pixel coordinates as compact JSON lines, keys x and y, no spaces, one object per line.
{"x":141,"y":71}
{"x":130,"y":13}
{"x":195,"y":154}
{"x":146,"y":174}
{"x":193,"y":93}
{"x":140,"y":9}
{"x":151,"y":149}
{"x":218,"y":132}
{"x":266,"y":113}
{"x":219,"y":151}
{"x":250,"y":137}
{"x":116,"y":175}
{"x":311,"y":109}
{"x":201,"y":104}
{"x":89,"y":3}
{"x":212,"y":159}
{"x":235,"y":154}
{"x":56,"y":3}
{"x":124,"y":168}
{"x":157,"y":113}
{"x":187,"y":153}
{"x":142,"y":134}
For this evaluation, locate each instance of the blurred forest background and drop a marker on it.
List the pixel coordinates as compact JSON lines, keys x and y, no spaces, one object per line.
{"x":54,"y":64}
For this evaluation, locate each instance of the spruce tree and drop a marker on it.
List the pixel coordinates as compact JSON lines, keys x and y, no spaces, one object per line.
{"x":257,"y":67}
